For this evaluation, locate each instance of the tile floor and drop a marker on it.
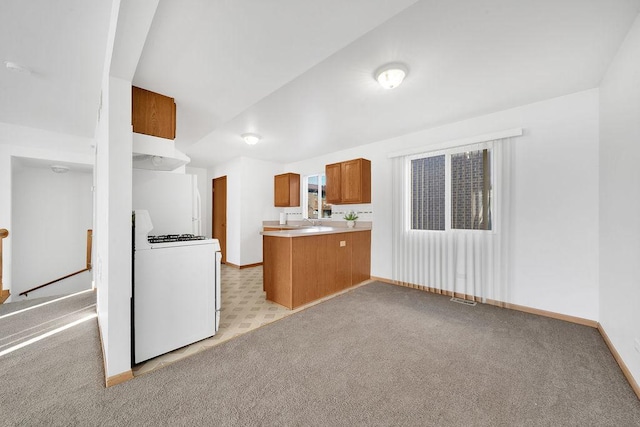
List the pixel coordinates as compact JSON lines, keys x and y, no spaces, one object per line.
{"x":244,"y":308}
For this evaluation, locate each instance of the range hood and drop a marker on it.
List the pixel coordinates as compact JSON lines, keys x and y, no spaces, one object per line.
{"x":153,"y":153}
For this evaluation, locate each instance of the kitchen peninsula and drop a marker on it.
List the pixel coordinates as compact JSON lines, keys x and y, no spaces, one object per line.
{"x":304,"y":264}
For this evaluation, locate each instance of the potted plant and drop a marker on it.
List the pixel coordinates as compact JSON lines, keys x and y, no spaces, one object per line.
{"x":351,"y":219}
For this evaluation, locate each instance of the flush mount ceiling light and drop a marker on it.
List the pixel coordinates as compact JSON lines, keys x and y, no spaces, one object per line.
{"x":251,"y":138}
{"x":60,"y":168}
{"x":16,"y":67}
{"x":391,"y":75}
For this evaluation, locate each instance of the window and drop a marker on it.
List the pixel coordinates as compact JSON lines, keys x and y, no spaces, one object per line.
{"x":315,"y":197}
{"x":451,"y":190}
{"x":427,"y":193}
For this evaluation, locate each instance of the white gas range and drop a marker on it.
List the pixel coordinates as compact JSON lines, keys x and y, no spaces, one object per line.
{"x":176,"y":290}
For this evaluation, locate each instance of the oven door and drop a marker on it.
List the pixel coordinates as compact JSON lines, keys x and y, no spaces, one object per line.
{"x":174,"y":298}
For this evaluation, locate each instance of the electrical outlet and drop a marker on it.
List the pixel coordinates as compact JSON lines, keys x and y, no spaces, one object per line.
{"x":343,"y":243}
{"x":636,"y":343}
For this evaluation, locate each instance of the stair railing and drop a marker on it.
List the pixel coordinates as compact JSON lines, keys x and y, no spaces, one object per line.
{"x":87,"y":267}
{"x":3,"y":294}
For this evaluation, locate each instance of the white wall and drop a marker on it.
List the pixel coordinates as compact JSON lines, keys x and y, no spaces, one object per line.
{"x":112,"y":272}
{"x":620,"y":200}
{"x":52,"y":213}
{"x":555,"y":252}
{"x":257,"y":206}
{"x":249,"y":202}
{"x":129,"y":25}
{"x":555,"y":210}
{"x":101,"y":219}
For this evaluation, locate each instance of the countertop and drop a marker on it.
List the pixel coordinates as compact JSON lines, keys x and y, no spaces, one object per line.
{"x":313,"y":231}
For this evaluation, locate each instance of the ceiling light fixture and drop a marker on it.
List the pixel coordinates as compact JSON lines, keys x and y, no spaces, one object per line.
{"x":16,"y":67}
{"x":156,"y":160}
{"x":60,"y":168}
{"x":391,"y":75}
{"x":251,"y":138}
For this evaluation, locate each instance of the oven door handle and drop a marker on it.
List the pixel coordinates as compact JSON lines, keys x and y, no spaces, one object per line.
{"x":218,"y":288}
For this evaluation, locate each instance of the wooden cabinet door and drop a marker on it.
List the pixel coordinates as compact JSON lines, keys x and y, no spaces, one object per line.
{"x":153,"y":114}
{"x":356,"y":181}
{"x":351,"y":188}
{"x":333,"y":174}
{"x":286,"y":190}
{"x":277,"y":265}
{"x":308,"y":267}
{"x":343,"y":251}
{"x":361,"y":256}
{"x":281,"y":190}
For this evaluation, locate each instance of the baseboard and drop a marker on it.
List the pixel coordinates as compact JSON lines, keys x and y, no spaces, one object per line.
{"x":240,"y":267}
{"x":531,"y":310}
{"x":120,"y":378}
{"x":4,"y":295}
{"x":545,"y":313}
{"x":623,"y":367}
{"x":427,"y":289}
{"x":115,"y":379}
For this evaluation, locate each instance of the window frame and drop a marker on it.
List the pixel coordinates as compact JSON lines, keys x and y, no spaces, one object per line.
{"x":305,"y":196}
{"x":448,"y":152}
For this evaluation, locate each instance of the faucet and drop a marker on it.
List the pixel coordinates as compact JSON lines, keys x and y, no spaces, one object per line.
{"x":313,"y":221}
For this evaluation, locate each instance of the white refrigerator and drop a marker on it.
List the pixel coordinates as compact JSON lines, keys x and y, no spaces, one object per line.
{"x":172,"y":200}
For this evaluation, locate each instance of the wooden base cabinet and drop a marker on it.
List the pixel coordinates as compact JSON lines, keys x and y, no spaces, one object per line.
{"x":299,"y":270}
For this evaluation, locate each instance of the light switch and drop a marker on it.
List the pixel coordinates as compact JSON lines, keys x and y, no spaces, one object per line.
{"x":343,"y":243}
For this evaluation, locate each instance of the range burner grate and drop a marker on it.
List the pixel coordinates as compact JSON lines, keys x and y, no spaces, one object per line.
{"x":168,"y":238}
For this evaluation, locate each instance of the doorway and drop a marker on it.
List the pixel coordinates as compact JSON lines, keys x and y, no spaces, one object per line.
{"x":219,"y":213}
{"x":60,"y":229}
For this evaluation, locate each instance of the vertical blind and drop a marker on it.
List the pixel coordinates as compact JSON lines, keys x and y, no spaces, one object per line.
{"x":463,"y":248}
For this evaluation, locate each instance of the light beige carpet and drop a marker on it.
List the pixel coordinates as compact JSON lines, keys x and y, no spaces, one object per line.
{"x":244,"y":308}
{"x":378,"y":355}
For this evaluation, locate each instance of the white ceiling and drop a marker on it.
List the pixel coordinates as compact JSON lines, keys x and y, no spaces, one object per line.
{"x":63,"y":43}
{"x":218,"y":58}
{"x":300,"y":72}
{"x":308,"y":90}
{"x":24,"y":163}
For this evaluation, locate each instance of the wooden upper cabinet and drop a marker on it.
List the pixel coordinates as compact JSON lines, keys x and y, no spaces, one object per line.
{"x":356,"y":181}
{"x":333,"y":174}
{"x":153,"y":114}
{"x":286,"y":190}
{"x":349,"y":182}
